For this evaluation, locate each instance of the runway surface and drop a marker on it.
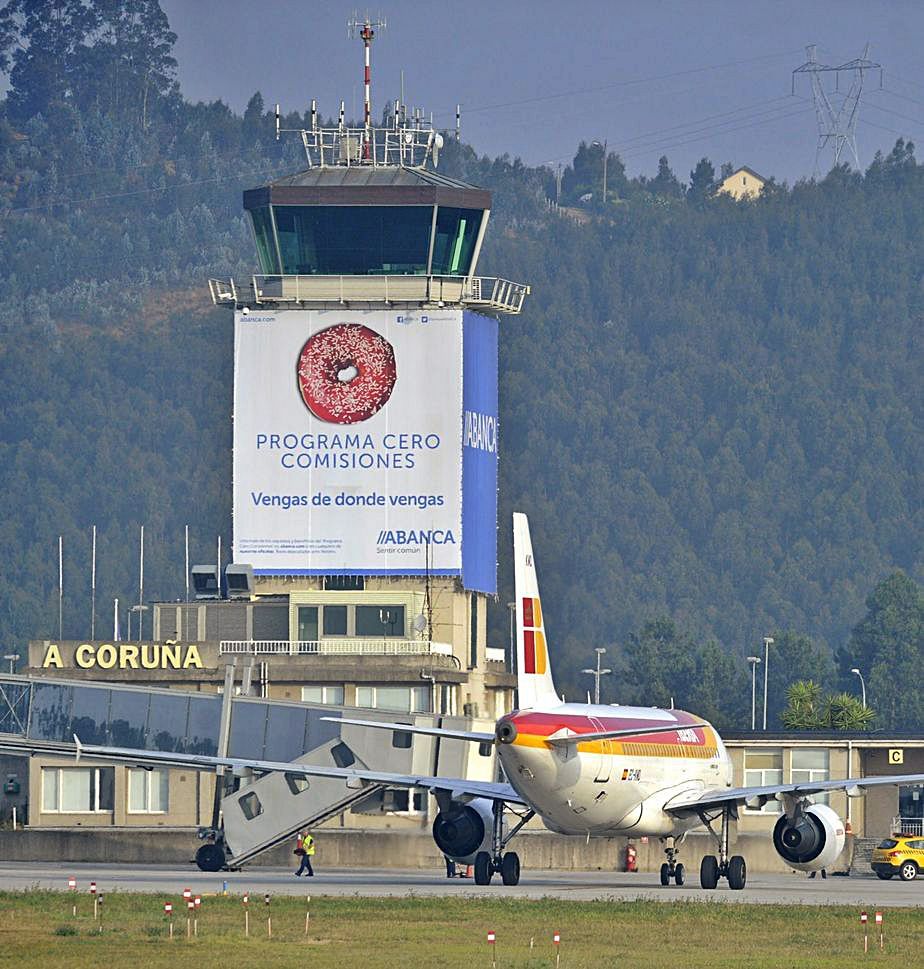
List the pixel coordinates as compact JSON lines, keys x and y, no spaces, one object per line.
{"x":377,"y":882}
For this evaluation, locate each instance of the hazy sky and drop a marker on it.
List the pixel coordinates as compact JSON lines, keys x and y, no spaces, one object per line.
{"x":685,"y":78}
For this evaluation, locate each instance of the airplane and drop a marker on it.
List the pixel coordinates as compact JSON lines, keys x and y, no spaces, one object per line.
{"x":582,"y":769}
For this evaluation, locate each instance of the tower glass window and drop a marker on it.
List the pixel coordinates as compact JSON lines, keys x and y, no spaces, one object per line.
{"x":266,"y":244}
{"x":353,"y":240}
{"x":456,"y":234}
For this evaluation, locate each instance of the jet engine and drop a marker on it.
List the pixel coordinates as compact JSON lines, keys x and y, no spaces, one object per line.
{"x":463,"y":830}
{"x":811,"y":841}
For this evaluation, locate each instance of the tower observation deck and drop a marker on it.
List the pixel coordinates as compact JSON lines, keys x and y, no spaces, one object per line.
{"x":369,"y":223}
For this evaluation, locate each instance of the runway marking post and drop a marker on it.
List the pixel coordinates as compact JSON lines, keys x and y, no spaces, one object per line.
{"x":93,"y":893}
{"x":190,"y":905}
{"x":246,"y":901}
{"x":269,"y":918}
{"x":197,"y":902}
{"x":879,"y":926}
{"x":556,"y":941}
{"x":168,"y":915}
{"x":72,"y":885}
{"x":307,"y":913}
{"x":864,"y":918}
{"x":99,"y":901}
{"x":492,"y":943}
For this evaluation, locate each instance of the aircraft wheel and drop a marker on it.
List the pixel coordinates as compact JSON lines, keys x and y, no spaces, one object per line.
{"x":210,"y":858}
{"x":665,"y":874}
{"x":483,"y":868}
{"x":737,"y":873}
{"x":679,"y":873}
{"x":510,"y":868}
{"x":709,"y":872}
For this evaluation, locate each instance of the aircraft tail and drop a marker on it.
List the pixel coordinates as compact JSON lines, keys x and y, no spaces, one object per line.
{"x":534,"y":670}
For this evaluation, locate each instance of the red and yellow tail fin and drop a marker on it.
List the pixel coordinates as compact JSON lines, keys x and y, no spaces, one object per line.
{"x":534,"y":670}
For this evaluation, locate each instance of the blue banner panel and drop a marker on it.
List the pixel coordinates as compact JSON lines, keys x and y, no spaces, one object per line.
{"x":479,"y":453}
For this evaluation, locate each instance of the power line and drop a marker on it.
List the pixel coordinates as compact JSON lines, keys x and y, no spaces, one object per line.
{"x":618,"y":84}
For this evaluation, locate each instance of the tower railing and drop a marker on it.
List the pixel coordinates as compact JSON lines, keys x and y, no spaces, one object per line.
{"x":489,"y":292}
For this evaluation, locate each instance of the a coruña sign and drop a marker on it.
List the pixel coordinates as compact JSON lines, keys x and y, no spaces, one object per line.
{"x":127,"y":656}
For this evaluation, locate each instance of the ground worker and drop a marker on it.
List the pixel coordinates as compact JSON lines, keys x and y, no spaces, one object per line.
{"x":304,"y":847}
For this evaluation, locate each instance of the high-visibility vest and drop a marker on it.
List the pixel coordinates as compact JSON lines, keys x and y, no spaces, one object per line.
{"x":308,"y":845}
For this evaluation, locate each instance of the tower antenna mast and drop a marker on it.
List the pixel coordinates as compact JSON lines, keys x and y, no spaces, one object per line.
{"x":837,"y":126}
{"x":365,"y":28}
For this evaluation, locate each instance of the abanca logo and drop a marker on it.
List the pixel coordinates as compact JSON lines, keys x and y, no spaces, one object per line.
{"x":433,"y":536}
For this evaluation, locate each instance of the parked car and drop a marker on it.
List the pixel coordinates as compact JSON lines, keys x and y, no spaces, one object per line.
{"x":901,"y":855}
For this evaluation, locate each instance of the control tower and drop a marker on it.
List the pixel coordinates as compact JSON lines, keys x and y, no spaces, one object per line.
{"x":365,"y":399}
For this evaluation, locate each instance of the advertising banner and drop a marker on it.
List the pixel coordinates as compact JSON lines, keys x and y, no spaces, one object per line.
{"x":348,"y":441}
{"x":479,"y":454}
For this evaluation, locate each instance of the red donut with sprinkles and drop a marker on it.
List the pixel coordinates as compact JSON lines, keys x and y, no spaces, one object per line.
{"x":346,"y":373}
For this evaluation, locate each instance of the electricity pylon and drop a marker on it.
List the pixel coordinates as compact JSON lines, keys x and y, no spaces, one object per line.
{"x":836,"y":125}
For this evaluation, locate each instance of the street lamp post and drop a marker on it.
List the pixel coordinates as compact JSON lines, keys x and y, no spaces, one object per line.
{"x":597,"y":673}
{"x":603,"y":146}
{"x":11,"y":658}
{"x":753,"y":660}
{"x":768,"y":642}
{"x":862,"y":684}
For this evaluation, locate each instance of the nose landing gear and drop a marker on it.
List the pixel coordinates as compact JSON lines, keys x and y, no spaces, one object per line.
{"x":672,"y":869}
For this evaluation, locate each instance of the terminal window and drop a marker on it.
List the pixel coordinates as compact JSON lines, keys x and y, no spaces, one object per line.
{"x":401,"y":699}
{"x":331,"y":695}
{"x":810,"y":764}
{"x":380,"y":621}
{"x":77,"y":790}
{"x":335,"y":620}
{"x":148,"y":791}
{"x":763,"y":767}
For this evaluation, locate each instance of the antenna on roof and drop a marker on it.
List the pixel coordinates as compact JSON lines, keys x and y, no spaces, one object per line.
{"x":366,"y":28}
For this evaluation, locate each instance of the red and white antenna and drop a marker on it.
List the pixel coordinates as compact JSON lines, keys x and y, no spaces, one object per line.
{"x":365,"y":28}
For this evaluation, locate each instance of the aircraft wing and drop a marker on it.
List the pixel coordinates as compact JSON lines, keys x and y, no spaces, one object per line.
{"x":685,"y":804}
{"x":459,"y":788}
{"x":475,"y":736}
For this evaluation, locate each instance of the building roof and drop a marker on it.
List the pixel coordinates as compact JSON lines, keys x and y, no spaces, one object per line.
{"x":745,"y":168}
{"x":367,"y":185}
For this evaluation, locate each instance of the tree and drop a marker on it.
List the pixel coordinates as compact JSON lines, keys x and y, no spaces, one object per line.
{"x":802,"y":711}
{"x":665,"y":182}
{"x":888,"y":643}
{"x":115,"y":55}
{"x":702,"y":182}
{"x":808,"y":709}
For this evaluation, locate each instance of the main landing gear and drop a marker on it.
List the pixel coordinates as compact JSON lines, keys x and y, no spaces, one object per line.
{"x":712,"y":869}
{"x":506,"y":863}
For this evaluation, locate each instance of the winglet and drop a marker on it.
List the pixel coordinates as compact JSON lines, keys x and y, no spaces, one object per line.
{"x":79,"y":749}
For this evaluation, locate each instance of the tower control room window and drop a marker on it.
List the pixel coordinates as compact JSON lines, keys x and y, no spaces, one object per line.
{"x":266,"y":244}
{"x":353,"y":240}
{"x":454,"y":245}
{"x":764,"y":766}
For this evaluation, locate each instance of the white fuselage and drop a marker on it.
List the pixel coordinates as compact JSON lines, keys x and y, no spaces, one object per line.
{"x":612,"y":786}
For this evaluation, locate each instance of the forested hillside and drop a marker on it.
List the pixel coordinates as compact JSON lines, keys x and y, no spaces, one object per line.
{"x":711,"y":410}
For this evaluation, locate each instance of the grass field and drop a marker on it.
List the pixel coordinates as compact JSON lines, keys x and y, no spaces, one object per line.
{"x":37,"y":929}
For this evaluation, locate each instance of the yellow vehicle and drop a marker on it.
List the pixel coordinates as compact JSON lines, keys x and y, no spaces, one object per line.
{"x":901,"y":855}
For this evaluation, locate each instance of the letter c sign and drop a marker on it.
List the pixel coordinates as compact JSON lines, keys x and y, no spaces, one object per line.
{"x":896,"y":756}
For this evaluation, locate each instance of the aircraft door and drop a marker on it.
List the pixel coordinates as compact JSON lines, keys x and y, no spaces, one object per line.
{"x":604,"y":758}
